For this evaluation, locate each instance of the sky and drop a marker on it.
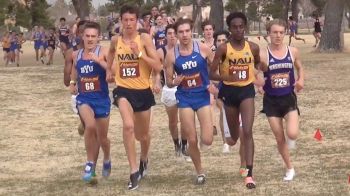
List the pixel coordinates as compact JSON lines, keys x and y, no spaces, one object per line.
{"x":94,"y":2}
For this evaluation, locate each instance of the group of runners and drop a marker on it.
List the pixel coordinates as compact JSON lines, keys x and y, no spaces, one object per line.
{"x":224,"y":70}
{"x":45,"y":42}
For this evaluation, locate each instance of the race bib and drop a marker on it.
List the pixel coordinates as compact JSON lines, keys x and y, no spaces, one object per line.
{"x":192,"y":81}
{"x":241,"y":72}
{"x":90,"y":84}
{"x":280,"y":80}
{"x":129,"y":70}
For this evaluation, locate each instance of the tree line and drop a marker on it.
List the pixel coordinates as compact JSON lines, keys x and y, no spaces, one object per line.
{"x":34,"y":12}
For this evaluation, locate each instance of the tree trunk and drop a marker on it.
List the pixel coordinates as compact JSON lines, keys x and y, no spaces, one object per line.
{"x":295,"y":10}
{"x":216,"y":15}
{"x":197,"y":16}
{"x":332,"y":34}
{"x":82,"y":8}
{"x":285,"y":9}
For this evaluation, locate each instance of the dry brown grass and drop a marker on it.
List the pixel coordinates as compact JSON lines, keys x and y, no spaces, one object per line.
{"x":42,"y":153}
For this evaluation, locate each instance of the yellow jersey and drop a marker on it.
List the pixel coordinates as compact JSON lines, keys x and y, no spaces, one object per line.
{"x":6,"y":43}
{"x":239,"y":62}
{"x":131,"y":72}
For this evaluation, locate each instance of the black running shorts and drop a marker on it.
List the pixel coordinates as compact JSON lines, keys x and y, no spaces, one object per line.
{"x":279,"y":106}
{"x":140,"y":100}
{"x":234,"y":95}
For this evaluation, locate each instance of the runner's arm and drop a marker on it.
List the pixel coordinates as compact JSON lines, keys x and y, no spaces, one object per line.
{"x":169,"y":69}
{"x":110,"y":72}
{"x":214,"y":65}
{"x":299,"y":85}
{"x":68,"y":64}
{"x":151,"y":57}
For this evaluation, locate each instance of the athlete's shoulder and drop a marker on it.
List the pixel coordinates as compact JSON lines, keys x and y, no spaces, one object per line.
{"x":253,"y":45}
{"x":145,"y":36}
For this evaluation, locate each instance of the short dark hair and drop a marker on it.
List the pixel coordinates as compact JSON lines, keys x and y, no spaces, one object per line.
{"x":92,"y":25}
{"x":222,"y":32}
{"x":182,"y":21}
{"x":82,"y":22}
{"x":146,"y":14}
{"x":170,"y":26}
{"x":207,"y":22}
{"x":62,"y":19}
{"x":129,"y":9}
{"x":291,"y":18}
{"x":234,"y":15}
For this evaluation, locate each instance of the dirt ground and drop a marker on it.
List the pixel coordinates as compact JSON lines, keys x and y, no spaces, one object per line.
{"x":42,"y":153}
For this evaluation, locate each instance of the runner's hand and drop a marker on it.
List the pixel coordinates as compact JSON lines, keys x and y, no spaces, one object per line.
{"x":109,"y":76}
{"x":93,"y":57}
{"x":156,"y":87}
{"x":73,"y":89}
{"x":178,"y":79}
{"x":134,"y":47}
{"x":299,"y":85}
{"x":212,"y":89}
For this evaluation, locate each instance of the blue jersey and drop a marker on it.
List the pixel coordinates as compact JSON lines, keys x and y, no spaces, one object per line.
{"x":195,"y":69}
{"x":159,"y":38}
{"x":91,"y":79}
{"x":293,"y":27}
{"x":280,"y":75}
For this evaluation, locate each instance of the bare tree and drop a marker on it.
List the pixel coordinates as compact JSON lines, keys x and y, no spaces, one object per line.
{"x":216,"y":15}
{"x":332,"y":36}
{"x":197,"y":16}
{"x":295,"y":9}
{"x":82,"y":7}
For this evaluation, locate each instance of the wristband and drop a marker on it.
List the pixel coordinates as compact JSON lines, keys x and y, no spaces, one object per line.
{"x":72,"y":82}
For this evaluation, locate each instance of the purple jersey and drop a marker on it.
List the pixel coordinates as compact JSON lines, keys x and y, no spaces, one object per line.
{"x":279,"y":78}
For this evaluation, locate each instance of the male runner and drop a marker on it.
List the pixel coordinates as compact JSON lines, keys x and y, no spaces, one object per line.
{"x":135,"y":59}
{"x":88,"y":78}
{"x":239,"y":59}
{"x":280,"y":101}
{"x":189,"y":60}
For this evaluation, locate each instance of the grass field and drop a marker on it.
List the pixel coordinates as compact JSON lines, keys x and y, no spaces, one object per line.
{"x":42,"y":153}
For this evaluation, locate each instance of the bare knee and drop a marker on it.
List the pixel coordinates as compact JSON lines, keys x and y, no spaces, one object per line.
{"x":128,"y":129}
{"x":90,"y":128}
{"x":192,"y":141}
{"x":230,"y":141}
{"x":207,"y":140}
{"x":292,"y":136}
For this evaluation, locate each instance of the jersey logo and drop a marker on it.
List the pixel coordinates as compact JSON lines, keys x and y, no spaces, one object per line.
{"x":127,"y":57}
{"x":193,"y":57}
{"x":86,"y":69}
{"x":272,"y":61}
{"x":189,"y":65}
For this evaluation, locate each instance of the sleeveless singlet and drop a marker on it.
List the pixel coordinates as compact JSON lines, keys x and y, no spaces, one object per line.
{"x":195,"y":69}
{"x":131,"y":72}
{"x":91,"y":78}
{"x":280,"y":75}
{"x":239,"y":62}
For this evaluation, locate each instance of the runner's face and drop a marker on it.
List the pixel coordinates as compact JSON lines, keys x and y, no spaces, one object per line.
{"x":277,"y":34}
{"x":159,"y":20}
{"x":184,"y":33}
{"x":237,"y":29}
{"x":90,"y":38}
{"x":62,"y":22}
{"x":129,"y":22}
{"x":221,"y":39}
{"x":154,"y":11}
{"x":171,"y":37}
{"x":147,"y":18}
{"x":208,"y":31}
